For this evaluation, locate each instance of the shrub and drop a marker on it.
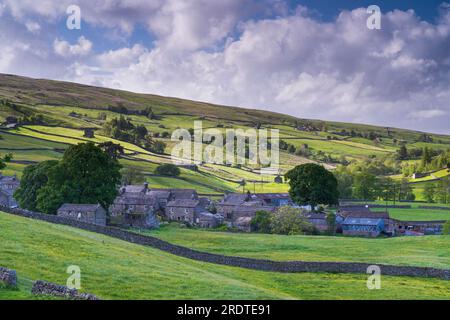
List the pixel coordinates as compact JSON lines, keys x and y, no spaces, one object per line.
{"x":168,"y":169}
{"x":446,"y":229}
{"x":290,"y":221}
{"x":261,"y":222}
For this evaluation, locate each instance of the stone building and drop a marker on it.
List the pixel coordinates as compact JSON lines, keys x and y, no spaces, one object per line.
{"x":369,"y":227}
{"x":184,"y":210}
{"x":208,"y":220}
{"x":319,"y":220}
{"x":135,"y":207}
{"x":89,"y":213}
{"x":8,"y":184}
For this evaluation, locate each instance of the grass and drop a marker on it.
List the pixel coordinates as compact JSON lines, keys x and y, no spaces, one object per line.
{"x":114,"y":269}
{"x":428,"y":251}
{"x":416,"y":214}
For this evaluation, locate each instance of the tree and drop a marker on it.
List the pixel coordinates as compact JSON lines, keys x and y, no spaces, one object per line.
{"x":86,"y":174}
{"x":114,"y":150}
{"x":406,"y":191}
{"x":426,"y":158}
{"x":345,"y":183}
{"x":34,"y":177}
{"x":4,"y":160}
{"x":429,"y":192}
{"x":290,"y":221}
{"x":312,"y":184}
{"x":402,"y":153}
{"x":446,"y":228}
{"x":364,"y":185}
{"x":261,"y":221}
{"x":331,"y":222}
{"x":168,"y":169}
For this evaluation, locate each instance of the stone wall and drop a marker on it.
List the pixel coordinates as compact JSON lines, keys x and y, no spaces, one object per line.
{"x":8,"y":277}
{"x":47,"y":288}
{"x":249,"y":263}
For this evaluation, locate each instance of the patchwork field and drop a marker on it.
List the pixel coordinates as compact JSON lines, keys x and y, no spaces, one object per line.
{"x":114,"y":269}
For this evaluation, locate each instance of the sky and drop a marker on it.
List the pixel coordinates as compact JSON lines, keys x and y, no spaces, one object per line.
{"x":312,"y":59}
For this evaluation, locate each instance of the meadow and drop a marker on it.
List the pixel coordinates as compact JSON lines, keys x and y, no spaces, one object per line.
{"x":114,"y":269}
{"x":427,"y":251}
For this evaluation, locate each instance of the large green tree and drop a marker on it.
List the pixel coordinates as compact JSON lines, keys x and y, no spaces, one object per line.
{"x":364,"y":185}
{"x":312,"y":184}
{"x":86,"y":174}
{"x":33,"y":179}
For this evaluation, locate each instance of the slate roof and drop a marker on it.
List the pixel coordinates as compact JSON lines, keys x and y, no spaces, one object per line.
{"x":79,"y":207}
{"x":184,"y":203}
{"x":234,"y":198}
{"x":134,"y":188}
{"x":362,"y":221}
{"x":317,"y":216}
{"x":365,"y":214}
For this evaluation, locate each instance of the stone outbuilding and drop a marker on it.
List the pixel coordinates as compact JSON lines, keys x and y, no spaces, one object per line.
{"x":369,"y":227}
{"x":208,"y":220}
{"x":89,"y":213}
{"x":8,"y":185}
{"x":184,"y":210}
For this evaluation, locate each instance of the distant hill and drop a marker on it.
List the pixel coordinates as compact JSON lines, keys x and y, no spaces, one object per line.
{"x":65,"y":109}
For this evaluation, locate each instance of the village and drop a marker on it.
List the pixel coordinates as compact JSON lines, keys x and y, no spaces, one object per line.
{"x":143,"y":207}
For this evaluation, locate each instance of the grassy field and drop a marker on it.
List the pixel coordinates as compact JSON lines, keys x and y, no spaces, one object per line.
{"x":429,"y":251}
{"x":114,"y":269}
{"x":416,"y":214}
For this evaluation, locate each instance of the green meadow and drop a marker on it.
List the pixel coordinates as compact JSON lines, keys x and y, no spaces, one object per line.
{"x":428,"y":251}
{"x":114,"y":269}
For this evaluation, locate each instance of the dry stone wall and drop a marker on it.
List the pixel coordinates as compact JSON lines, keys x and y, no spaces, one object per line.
{"x":249,"y":263}
{"x":8,"y":277}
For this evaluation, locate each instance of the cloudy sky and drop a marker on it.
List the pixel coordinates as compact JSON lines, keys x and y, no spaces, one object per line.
{"x":312,"y":59}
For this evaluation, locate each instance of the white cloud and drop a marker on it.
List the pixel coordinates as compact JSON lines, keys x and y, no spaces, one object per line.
{"x":32,"y":26}
{"x":63,"y":48}
{"x":284,"y":61}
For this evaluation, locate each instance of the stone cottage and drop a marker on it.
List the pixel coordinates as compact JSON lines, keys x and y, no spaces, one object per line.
{"x":185,"y":210}
{"x":135,"y":207}
{"x":89,"y":213}
{"x":208,"y":220}
{"x":8,"y":185}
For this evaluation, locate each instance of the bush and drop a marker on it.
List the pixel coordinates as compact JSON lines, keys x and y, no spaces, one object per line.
{"x":261,"y":222}
{"x":446,"y":229}
{"x":168,"y":169}
{"x":290,"y":221}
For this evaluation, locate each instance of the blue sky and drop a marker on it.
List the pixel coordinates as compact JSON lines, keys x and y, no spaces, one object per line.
{"x":311,"y":58}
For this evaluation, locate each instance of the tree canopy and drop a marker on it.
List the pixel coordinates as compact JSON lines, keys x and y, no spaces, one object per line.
{"x":86,"y":174}
{"x":312,"y":184}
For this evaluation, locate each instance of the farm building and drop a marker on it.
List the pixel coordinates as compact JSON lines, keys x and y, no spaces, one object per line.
{"x":319,"y":220}
{"x":208,"y":220}
{"x":369,"y":227}
{"x":417,"y":228}
{"x":135,"y":207}
{"x":89,"y":213}
{"x":184,"y":210}
{"x":275,"y":199}
{"x":8,"y":184}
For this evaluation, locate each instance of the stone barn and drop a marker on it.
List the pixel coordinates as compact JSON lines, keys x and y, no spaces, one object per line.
{"x":8,"y":184}
{"x":363,"y":227}
{"x":89,"y":213}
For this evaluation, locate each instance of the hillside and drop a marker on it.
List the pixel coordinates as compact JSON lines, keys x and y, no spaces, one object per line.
{"x":68,"y":108}
{"x":114,"y":269}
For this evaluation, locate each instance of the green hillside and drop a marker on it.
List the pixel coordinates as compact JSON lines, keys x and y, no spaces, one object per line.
{"x":114,"y":269}
{"x":68,"y":108}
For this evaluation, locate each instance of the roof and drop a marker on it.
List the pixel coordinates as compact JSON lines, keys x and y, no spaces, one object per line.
{"x":134,"y":188}
{"x":135,"y":198}
{"x":234,"y":198}
{"x":362,"y":221}
{"x":317,"y":216}
{"x":79,"y":207}
{"x":365,"y":214}
{"x":273,"y":195}
{"x":6,"y":179}
{"x":184,"y":203}
{"x":183,"y":193}
{"x":160,"y":194}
